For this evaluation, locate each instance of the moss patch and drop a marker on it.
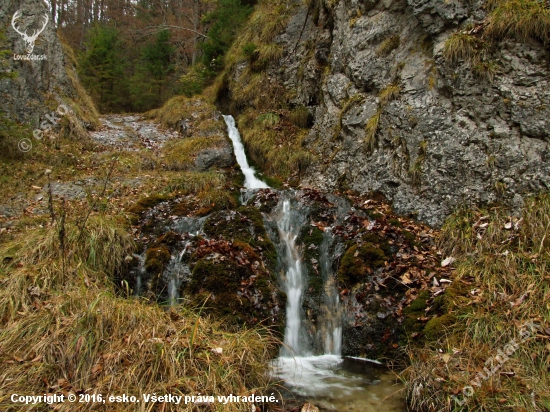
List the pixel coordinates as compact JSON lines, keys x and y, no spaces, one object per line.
{"x":156,"y":259}
{"x":359,"y":262}
{"x":236,"y":292}
{"x":437,"y":326}
{"x":416,"y":310}
{"x":146,"y":203}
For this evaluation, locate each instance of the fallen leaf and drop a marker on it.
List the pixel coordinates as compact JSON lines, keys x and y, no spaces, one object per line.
{"x":447,"y":261}
{"x":405,"y":279}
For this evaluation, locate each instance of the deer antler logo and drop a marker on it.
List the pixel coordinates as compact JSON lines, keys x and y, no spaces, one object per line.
{"x":28,"y":39}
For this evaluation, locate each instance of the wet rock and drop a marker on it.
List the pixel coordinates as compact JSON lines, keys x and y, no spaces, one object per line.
{"x":209,"y":158}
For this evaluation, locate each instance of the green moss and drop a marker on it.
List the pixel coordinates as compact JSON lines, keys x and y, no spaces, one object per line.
{"x":146,"y":203}
{"x":216,"y":276}
{"x":220,"y":280}
{"x":436,"y":327}
{"x":420,"y":304}
{"x":395,"y":223}
{"x":170,"y":238}
{"x":446,"y":302}
{"x":156,"y":259}
{"x":377,"y":240}
{"x":312,"y":236}
{"x":413,"y":312}
{"x":358,"y":262}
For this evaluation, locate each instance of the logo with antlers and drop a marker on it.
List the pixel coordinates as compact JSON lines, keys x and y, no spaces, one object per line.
{"x":28,"y":39}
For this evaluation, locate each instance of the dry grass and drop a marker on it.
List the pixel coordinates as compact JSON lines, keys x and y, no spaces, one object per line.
{"x":209,"y":188}
{"x":521,"y":19}
{"x":388,"y":45}
{"x":371,"y":129}
{"x":389,"y":93}
{"x":462,"y":46}
{"x":180,"y":154}
{"x":68,"y":332}
{"x":82,"y":103}
{"x":300,"y":117}
{"x":276,"y":147}
{"x":504,"y":282}
{"x":195,"y":110}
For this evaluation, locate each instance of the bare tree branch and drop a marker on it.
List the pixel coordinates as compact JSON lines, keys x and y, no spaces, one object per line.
{"x":164,"y":26}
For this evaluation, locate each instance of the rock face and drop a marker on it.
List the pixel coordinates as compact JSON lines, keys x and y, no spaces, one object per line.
{"x":393,"y":116}
{"x":39,"y":85}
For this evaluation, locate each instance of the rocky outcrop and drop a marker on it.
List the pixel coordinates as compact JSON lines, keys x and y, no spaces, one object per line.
{"x":393,"y":115}
{"x":39,"y":86}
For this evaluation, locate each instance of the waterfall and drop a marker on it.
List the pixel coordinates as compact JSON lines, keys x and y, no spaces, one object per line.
{"x":322,"y":376}
{"x":295,"y":338}
{"x":251,"y":181}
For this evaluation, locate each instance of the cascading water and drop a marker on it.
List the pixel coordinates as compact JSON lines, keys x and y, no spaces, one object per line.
{"x":295,"y":342}
{"x":251,"y":181}
{"x":325,"y":377}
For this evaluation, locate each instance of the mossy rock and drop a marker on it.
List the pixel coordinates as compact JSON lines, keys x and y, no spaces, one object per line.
{"x":221,"y":281}
{"x":436,"y":327}
{"x":311,"y":236}
{"x":415,"y":310}
{"x":446,"y":302}
{"x":146,"y":203}
{"x":170,"y":238}
{"x":216,"y":276}
{"x":246,"y":226}
{"x":379,"y":241}
{"x":156,"y":259}
{"x":358,"y":262}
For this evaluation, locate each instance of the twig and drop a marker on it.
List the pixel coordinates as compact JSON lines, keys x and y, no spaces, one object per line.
{"x":164,"y":26}
{"x":62,"y":233}
{"x":50,"y":197}
{"x":92,"y":207}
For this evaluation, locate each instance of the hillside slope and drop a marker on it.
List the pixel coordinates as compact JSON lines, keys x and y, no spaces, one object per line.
{"x":433,"y":104}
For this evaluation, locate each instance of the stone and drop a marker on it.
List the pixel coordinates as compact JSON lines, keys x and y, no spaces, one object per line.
{"x":40,"y":85}
{"x":222,"y":157}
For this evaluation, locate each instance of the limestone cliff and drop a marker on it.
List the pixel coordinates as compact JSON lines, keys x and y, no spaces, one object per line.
{"x":39,"y":86}
{"x":397,"y":108}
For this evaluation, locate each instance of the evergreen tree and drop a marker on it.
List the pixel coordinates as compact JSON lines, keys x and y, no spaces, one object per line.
{"x":225,"y":22}
{"x":153,"y":73}
{"x":157,"y":57}
{"x":102,"y":68}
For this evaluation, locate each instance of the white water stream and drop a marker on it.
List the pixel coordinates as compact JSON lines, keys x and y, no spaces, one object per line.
{"x":333,"y":382}
{"x":251,"y":181}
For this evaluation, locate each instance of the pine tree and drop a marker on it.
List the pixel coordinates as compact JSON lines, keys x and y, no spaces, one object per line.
{"x":102,"y":68}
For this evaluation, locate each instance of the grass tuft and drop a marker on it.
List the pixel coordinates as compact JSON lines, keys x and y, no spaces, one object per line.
{"x":389,"y":93}
{"x":388,"y":45}
{"x":371,"y":129}
{"x":461,"y":46}
{"x":521,"y":19}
